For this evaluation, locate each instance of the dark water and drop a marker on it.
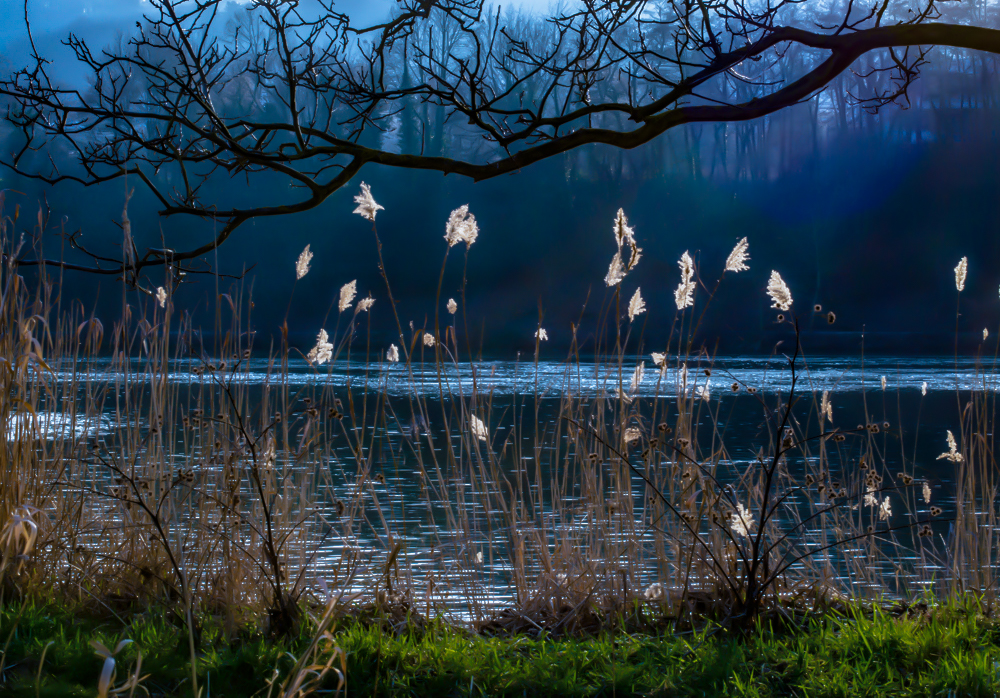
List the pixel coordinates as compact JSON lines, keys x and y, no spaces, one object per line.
{"x":920,"y":400}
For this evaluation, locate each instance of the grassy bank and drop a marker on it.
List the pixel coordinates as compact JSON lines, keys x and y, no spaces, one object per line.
{"x":949,"y":650}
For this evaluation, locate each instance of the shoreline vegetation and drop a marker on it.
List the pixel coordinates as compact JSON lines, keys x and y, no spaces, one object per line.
{"x":166,"y":537}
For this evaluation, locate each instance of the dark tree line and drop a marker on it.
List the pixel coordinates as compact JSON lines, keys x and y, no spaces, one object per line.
{"x":196,"y":95}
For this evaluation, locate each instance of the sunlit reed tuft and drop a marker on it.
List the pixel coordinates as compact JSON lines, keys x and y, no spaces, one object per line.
{"x":367,"y":208}
{"x":461,"y":227}
{"x":302,"y":263}
{"x":323,"y":351}
{"x":347,"y":293}
{"x":777,"y":289}
{"x":452,"y":306}
{"x":684,"y":295}
{"x":961,"y":271}
{"x":736,"y":262}
{"x":952,"y":453}
{"x":636,"y":306}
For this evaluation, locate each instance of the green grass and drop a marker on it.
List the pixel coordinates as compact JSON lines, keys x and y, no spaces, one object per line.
{"x":948,"y":651}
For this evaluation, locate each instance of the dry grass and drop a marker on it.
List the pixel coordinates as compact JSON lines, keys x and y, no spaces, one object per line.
{"x":120,"y":485}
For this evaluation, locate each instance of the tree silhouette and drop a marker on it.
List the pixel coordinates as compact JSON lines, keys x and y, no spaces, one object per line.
{"x":294,"y":90}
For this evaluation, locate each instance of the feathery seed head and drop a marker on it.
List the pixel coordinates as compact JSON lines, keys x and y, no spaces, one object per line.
{"x":637,"y":376}
{"x":478,"y":428}
{"x":367,"y":208}
{"x":302,"y":263}
{"x":347,"y":294}
{"x":741,"y":521}
{"x":323,"y":351}
{"x":461,"y":227}
{"x":923,"y":388}
{"x":737,"y":258}
{"x":161,"y":297}
{"x":616,"y":271}
{"x":365,"y":304}
{"x":541,"y":335}
{"x":927,"y":493}
{"x":429,"y":340}
{"x":392,"y":355}
{"x":961,"y":271}
{"x":452,"y":306}
{"x":654,"y":592}
{"x":684,"y":295}
{"x":777,"y":289}
{"x":636,"y":306}
{"x":952,"y":453}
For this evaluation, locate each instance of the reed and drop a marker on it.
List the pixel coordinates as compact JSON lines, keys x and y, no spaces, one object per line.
{"x":143,"y":466}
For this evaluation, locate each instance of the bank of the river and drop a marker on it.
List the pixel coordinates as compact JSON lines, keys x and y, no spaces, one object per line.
{"x":948,"y":650}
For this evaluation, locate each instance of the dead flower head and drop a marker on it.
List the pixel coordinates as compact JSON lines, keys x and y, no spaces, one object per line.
{"x":961,"y":271}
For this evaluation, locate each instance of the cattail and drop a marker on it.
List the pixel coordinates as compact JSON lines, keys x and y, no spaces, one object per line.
{"x":777,"y":289}
{"x":616,"y":271}
{"x":741,"y":521}
{"x":161,"y":298}
{"x":736,"y":259}
{"x":392,"y":355}
{"x":367,"y":208}
{"x":927,"y":493}
{"x":637,"y":377}
{"x":541,"y":335}
{"x":684,"y":295}
{"x":302,"y":263}
{"x":952,"y":453}
{"x":461,"y":227}
{"x":347,"y":293}
{"x":452,"y":306}
{"x":323,"y":351}
{"x":478,"y":428}
{"x":961,"y":271}
{"x":883,"y":382}
{"x":365,"y":304}
{"x":429,"y":340}
{"x":636,"y":306}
